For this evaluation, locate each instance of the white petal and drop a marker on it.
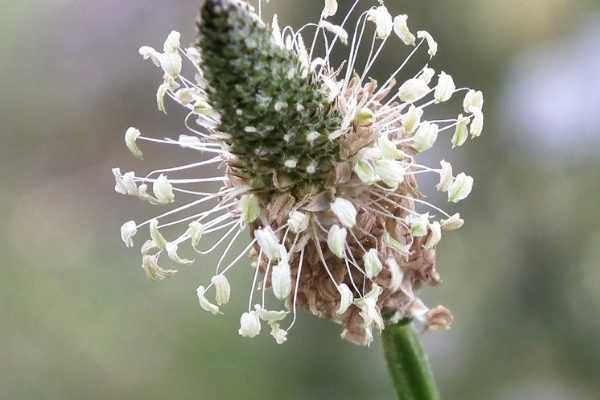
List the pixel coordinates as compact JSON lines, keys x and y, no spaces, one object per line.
{"x":281,"y":280}
{"x":280,"y":335}
{"x":461,"y":133}
{"x":131,"y":136}
{"x":336,"y":240}
{"x":401,"y":29}
{"x":473,"y":99}
{"x":431,"y":43}
{"x":445,"y":88}
{"x":336,"y":30}
{"x":154,"y":271}
{"x":249,"y":207}
{"x":249,"y":324}
{"x":412,"y":119}
{"x":346,"y":298}
{"x":446,"y":176}
{"x":330,"y":9}
{"x":460,"y":188}
{"x":172,"y":43}
{"x":435,"y":236}
{"x":383,"y":21}
{"x":222,"y":288}
{"x":163,"y":190}
{"x":425,"y":137}
{"x":298,"y":222}
{"x":413,"y":90}
{"x":128,"y":231}
{"x":345,"y":212}
{"x":453,"y":223}
{"x":204,"y":303}
{"x":373,"y":265}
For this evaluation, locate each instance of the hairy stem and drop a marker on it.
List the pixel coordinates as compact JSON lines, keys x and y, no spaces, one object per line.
{"x":407,"y":363}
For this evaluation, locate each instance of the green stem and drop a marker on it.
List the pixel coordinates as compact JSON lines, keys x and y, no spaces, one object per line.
{"x":408,"y":364}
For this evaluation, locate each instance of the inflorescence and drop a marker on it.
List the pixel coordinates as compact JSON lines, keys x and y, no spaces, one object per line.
{"x":319,"y":166}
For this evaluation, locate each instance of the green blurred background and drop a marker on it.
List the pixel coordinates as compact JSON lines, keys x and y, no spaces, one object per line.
{"x":79,"y":320}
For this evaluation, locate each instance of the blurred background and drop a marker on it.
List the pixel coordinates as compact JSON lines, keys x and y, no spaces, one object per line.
{"x":79,"y":320}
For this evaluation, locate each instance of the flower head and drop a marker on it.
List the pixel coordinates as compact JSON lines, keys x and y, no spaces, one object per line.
{"x":319,"y":164}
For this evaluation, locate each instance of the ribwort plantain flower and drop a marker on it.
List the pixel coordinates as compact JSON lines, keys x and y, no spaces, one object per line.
{"x":319,"y":166}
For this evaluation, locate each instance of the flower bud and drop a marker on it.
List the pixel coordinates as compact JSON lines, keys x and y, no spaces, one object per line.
{"x":298,"y":222}
{"x":249,"y":208}
{"x":131,"y":136}
{"x":413,"y":90}
{"x":460,"y":188}
{"x":425,"y":137}
{"x":364,"y":117}
{"x":249,"y":325}
{"x":401,"y":29}
{"x":204,"y":303}
{"x":373,"y":265}
{"x":445,"y":88}
{"x":128,"y":231}
{"x":344,"y":211}
{"x":163,"y":190}
{"x":346,"y":298}
{"x":336,"y":240}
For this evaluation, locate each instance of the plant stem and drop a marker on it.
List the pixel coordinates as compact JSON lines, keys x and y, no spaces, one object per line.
{"x":408,"y":365}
